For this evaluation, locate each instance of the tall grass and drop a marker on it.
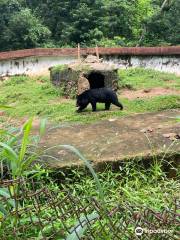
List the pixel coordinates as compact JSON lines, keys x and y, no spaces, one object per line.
{"x":19,"y":150}
{"x":17,"y":154}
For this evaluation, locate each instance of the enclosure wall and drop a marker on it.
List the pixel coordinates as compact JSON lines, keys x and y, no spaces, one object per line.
{"x":38,"y":61}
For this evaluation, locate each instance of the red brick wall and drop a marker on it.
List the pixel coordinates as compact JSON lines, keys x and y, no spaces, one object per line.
{"x":151,"y":51}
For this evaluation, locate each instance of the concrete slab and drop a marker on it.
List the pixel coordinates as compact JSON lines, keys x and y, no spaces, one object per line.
{"x":115,"y":139}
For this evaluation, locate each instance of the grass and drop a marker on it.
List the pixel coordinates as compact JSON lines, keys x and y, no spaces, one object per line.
{"x":139,"y":78}
{"x":132,"y":184}
{"x":37,"y":97}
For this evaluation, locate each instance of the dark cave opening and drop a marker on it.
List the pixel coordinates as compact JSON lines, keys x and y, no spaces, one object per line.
{"x":96,"y":80}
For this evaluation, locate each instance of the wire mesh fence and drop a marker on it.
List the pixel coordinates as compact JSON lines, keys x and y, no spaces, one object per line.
{"x":31,"y":210}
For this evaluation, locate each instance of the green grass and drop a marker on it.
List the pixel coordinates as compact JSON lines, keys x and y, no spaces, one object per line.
{"x":139,"y":78}
{"x":37,"y":97}
{"x":132,"y":185}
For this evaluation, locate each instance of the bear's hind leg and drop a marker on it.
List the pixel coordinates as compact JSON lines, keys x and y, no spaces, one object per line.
{"x":107,"y":105}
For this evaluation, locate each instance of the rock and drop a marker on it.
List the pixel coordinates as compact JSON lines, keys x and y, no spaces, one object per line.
{"x":147,"y":90}
{"x":92,"y":59}
{"x":112,"y":119}
{"x":172,"y":136}
{"x":146,"y":130}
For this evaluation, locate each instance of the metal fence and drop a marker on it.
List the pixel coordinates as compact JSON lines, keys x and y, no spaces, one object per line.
{"x":34,"y":211}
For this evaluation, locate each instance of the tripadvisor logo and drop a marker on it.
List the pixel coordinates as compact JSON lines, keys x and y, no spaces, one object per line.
{"x":139,"y":231}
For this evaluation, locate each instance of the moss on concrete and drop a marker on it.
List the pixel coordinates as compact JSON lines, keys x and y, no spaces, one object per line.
{"x":58,"y":68}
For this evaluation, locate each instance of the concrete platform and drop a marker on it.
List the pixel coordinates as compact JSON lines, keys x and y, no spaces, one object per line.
{"x":115,"y":139}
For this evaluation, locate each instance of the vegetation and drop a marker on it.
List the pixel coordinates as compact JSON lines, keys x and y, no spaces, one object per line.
{"x":55,"y":23}
{"x":28,"y":24}
{"x":140,"y":78}
{"x":37,"y":97}
{"x":133,"y":183}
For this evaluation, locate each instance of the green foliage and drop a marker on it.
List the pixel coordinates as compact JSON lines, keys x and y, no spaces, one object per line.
{"x":27,"y":24}
{"x":7,"y":9}
{"x":13,"y":81}
{"x":14,"y":151}
{"x":10,"y":203}
{"x":58,"y":68}
{"x":25,"y":31}
{"x":115,"y":42}
{"x":163,"y":28}
{"x":18,"y":150}
{"x":133,"y":183}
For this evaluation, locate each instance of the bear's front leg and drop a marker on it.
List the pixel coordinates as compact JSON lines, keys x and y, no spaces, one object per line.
{"x":93,"y":106}
{"x":80,"y":109}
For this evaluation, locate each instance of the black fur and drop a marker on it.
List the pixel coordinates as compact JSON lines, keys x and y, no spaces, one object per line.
{"x":102,"y":95}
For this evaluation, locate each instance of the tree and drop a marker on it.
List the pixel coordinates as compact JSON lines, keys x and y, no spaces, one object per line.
{"x":85,"y":27}
{"x":7,"y":9}
{"x":73,"y":22}
{"x":164,"y":26}
{"x":24,"y":30}
{"x":32,"y":23}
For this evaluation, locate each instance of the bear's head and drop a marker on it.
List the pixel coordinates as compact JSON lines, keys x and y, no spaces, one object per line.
{"x":82,"y":101}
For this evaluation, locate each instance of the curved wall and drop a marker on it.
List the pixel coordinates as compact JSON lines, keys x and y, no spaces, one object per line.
{"x":38,"y":61}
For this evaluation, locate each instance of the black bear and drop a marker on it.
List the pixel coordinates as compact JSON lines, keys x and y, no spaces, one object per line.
{"x":92,"y":96}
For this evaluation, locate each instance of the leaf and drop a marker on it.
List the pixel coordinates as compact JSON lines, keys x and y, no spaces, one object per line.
{"x":3,"y":211}
{"x":12,"y":202}
{"x":28,"y":161}
{"x":80,"y":227}
{"x":2,"y":131}
{"x":77,"y":233}
{"x":4,"y":107}
{"x":5,"y":132}
{"x":26,"y":129}
{"x":4,"y":192}
{"x":48,"y":229}
{"x":9,"y":150}
{"x":42,"y":126}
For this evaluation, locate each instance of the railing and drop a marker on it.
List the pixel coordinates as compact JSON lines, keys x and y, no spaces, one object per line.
{"x":131,"y":51}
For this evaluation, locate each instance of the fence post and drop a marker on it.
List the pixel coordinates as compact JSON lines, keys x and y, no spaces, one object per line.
{"x":97,"y":52}
{"x":79,"y":54}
